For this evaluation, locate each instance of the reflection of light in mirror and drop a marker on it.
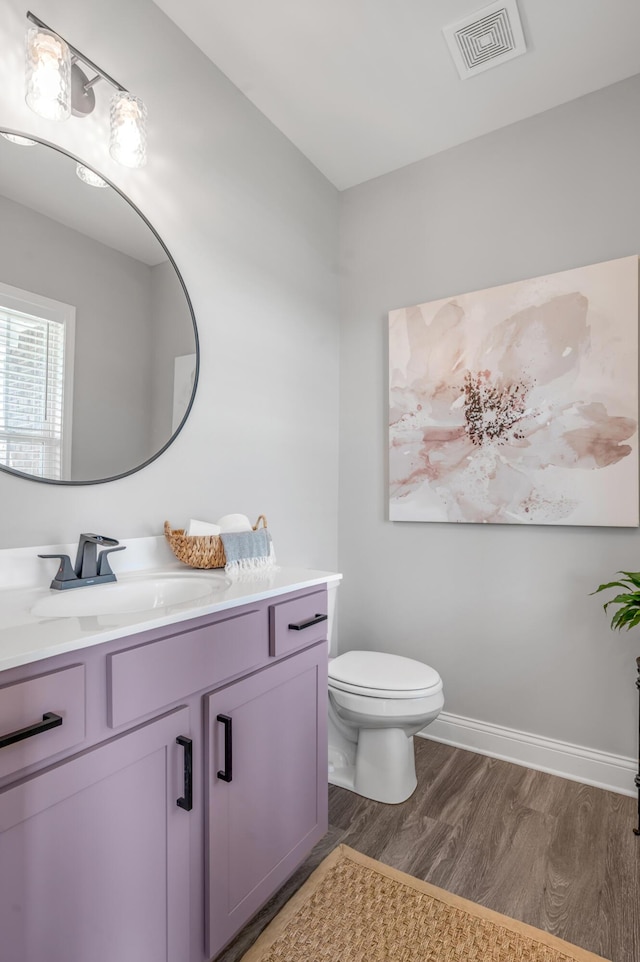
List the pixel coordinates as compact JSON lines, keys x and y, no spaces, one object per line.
{"x":20,"y":141}
{"x":88,"y":176}
{"x":48,"y":75}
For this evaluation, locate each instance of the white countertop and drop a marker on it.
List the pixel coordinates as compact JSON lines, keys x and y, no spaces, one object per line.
{"x":26,"y":637}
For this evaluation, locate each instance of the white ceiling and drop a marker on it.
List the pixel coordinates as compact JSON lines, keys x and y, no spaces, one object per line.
{"x":363,"y":87}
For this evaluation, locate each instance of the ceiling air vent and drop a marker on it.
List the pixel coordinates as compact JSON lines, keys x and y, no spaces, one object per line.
{"x":485,"y":39}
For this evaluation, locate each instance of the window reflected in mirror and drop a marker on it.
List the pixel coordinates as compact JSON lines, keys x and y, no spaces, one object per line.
{"x":36,"y":384}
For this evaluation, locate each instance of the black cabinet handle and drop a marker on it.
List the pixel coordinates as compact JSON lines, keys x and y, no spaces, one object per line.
{"x":186,"y":801}
{"x":49,"y":720}
{"x":227,"y":773}
{"x":301,"y":625}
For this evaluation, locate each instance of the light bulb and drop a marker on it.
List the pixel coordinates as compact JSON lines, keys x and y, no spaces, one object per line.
{"x":88,"y":176}
{"x":128,"y":142}
{"x":48,"y":74}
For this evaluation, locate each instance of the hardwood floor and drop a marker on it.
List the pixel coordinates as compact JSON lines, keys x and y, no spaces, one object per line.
{"x":557,"y":854}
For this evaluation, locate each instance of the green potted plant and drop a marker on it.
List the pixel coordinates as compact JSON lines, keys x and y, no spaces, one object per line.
{"x":628,"y":613}
{"x":626,"y":616}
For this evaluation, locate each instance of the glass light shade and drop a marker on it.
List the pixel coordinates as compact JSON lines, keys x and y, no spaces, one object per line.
{"x":48,"y":74}
{"x":88,"y":176}
{"x":20,"y":141}
{"x":128,"y":142}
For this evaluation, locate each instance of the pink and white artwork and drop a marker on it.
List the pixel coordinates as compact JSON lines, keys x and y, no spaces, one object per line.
{"x":518,"y":404}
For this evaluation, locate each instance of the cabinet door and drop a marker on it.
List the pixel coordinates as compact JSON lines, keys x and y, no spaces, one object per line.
{"x":94,"y":854}
{"x":264,"y":821}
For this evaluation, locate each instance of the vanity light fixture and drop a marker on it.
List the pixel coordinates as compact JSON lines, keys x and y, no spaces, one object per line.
{"x":58,"y":87}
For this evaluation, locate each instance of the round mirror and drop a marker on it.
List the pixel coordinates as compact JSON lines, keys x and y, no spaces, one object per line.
{"x":98,"y":341}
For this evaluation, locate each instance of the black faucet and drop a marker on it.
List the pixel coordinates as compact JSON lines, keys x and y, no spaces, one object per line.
{"x":90,"y":568}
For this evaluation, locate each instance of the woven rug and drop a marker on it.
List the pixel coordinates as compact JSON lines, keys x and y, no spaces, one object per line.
{"x":354,"y":909}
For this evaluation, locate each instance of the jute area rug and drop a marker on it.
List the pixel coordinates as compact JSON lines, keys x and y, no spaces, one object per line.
{"x":354,"y":909}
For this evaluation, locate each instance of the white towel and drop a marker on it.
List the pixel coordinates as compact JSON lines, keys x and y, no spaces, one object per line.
{"x":199,"y":528}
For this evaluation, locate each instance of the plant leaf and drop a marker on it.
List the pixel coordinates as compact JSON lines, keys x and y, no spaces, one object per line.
{"x":628,"y":614}
{"x":611,"y":584}
{"x":630,"y":598}
{"x":633,"y":576}
{"x":634,"y":621}
{"x":622,"y":617}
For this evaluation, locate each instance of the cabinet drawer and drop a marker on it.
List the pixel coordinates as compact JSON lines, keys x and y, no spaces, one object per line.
{"x":22,"y":707}
{"x":297,"y":623}
{"x":153,"y":676}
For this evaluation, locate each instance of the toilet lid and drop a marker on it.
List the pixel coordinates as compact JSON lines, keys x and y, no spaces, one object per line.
{"x":381,"y":675}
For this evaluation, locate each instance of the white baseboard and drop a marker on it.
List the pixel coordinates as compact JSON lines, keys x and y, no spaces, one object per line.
{"x":612,"y":772}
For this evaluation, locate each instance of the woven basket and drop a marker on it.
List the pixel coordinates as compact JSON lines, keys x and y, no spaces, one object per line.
{"x":200,"y":551}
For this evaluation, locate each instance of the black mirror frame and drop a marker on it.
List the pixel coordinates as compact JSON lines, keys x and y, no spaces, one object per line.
{"x":144,"y":464}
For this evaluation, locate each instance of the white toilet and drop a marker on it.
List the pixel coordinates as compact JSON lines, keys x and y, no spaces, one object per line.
{"x":377,"y":703}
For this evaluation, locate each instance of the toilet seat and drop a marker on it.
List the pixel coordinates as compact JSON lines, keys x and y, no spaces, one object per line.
{"x":379,"y":674}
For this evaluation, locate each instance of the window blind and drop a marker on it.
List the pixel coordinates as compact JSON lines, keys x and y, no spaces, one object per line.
{"x":31,"y":393}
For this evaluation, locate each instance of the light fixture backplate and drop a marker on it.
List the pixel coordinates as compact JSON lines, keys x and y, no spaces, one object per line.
{"x":83,"y":99}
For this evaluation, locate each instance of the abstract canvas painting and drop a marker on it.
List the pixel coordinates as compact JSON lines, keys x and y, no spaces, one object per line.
{"x":518,"y":404}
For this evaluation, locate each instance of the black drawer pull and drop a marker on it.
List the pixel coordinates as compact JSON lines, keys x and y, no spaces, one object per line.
{"x":301,"y":625}
{"x":227,"y":773}
{"x":49,"y":720}
{"x":186,"y":801}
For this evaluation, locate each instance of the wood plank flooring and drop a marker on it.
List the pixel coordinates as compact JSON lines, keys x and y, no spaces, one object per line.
{"x":557,"y":854}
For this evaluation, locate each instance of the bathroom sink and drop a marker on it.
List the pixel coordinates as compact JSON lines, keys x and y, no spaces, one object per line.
{"x":135,"y":595}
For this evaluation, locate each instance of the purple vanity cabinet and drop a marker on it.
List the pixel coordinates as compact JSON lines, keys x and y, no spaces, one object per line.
{"x":99,"y":854}
{"x":266,"y":786}
{"x":113,"y":848}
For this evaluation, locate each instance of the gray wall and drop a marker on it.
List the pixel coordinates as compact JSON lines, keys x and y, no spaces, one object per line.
{"x":112,"y":294}
{"x":503,"y":612}
{"x":252,"y":226}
